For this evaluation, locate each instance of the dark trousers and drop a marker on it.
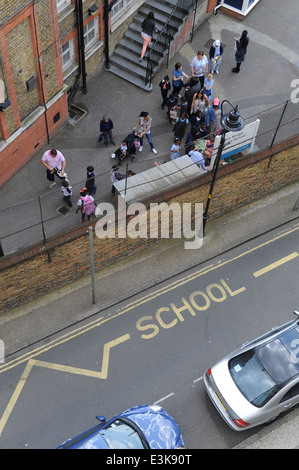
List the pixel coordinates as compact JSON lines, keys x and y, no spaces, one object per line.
{"x":164,"y":96}
{"x":68,"y":200}
{"x":50,"y":176}
{"x":106,"y":135}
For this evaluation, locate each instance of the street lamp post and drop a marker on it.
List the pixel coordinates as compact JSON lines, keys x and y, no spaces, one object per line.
{"x":231,"y":122}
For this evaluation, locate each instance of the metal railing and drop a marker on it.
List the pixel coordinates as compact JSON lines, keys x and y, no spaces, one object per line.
{"x":40,"y":218}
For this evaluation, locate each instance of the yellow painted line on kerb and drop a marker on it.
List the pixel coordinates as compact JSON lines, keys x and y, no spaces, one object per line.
{"x":271,"y":266}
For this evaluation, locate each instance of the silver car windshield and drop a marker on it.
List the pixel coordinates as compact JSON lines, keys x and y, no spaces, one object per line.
{"x":251,"y":379}
{"x":260,"y":374}
{"x":118,"y":435}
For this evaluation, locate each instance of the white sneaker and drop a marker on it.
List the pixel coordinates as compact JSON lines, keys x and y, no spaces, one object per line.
{"x":140,"y":148}
{"x":154,"y":150}
{"x":52,"y":184}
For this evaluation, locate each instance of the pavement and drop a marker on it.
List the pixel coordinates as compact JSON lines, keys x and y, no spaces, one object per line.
{"x":273,"y":32}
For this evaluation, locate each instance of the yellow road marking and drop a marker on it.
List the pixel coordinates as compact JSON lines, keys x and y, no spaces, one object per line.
{"x":15,"y":395}
{"x":103,"y":374}
{"x":271,"y":266}
{"x":136,"y":303}
{"x":28,"y":356}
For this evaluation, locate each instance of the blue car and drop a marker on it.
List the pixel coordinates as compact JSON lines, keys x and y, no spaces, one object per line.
{"x":139,"y":427}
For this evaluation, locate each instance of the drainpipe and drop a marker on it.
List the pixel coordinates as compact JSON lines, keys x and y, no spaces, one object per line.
{"x":81,"y":44}
{"x":107,"y":8}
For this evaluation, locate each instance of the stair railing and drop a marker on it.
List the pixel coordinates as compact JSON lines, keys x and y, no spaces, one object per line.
{"x":163,"y":40}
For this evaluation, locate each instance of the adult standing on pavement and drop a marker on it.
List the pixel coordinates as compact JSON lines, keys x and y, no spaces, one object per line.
{"x":215,"y":56}
{"x":199,"y":67}
{"x":148,"y":28}
{"x":106,"y":130}
{"x":213,"y":117}
{"x":53,"y":159}
{"x":144,"y":125}
{"x":241,"y":49}
{"x":178,"y":79}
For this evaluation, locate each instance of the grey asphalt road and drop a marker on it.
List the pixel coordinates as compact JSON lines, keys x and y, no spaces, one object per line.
{"x":153,"y":348}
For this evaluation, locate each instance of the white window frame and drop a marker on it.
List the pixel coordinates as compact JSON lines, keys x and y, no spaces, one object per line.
{"x":119,"y":8}
{"x":91,"y":32}
{"x":71,"y":51}
{"x":62,"y":4}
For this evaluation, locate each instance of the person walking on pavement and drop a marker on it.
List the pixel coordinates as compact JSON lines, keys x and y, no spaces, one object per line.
{"x":199,"y":67}
{"x":52,"y":159}
{"x":86,"y":205}
{"x":148,"y":28}
{"x":90,"y":181}
{"x":144,"y":125}
{"x":215,"y":56}
{"x":66,"y":190}
{"x":241,"y":49}
{"x":106,"y":129}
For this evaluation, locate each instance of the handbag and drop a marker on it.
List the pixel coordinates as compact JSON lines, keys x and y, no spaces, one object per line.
{"x":100,"y":138}
{"x":173,"y":114}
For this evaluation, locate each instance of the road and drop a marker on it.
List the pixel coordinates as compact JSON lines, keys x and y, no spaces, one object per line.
{"x":153,"y":349}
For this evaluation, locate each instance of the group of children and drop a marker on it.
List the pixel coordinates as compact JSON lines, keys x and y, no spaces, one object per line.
{"x":86,"y":203}
{"x":181,"y":112}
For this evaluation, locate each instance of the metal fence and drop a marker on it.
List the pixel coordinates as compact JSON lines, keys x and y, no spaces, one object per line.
{"x":37,"y":219}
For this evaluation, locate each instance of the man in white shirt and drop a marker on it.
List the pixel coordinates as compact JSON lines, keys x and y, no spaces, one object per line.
{"x":199,"y":66}
{"x":53,"y":159}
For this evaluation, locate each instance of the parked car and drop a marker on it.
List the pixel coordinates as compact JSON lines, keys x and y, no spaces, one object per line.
{"x":139,"y":427}
{"x":258,"y":381}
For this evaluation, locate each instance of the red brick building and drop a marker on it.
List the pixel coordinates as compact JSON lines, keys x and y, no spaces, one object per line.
{"x":31,"y":71}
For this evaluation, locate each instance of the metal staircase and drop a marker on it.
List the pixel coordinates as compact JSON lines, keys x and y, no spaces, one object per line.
{"x":170,"y":16}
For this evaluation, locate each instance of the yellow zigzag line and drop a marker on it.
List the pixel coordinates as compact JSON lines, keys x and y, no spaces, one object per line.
{"x":103,"y":374}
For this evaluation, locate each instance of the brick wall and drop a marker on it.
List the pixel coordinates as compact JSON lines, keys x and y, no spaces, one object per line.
{"x":28,"y":274}
{"x":30,"y":53}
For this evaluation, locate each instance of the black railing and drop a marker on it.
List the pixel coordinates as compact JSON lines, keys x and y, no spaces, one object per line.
{"x":161,"y":45}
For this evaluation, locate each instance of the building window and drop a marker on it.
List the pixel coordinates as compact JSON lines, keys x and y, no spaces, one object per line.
{"x":61,"y":4}
{"x":119,"y":8}
{"x":91,"y":33}
{"x":67,"y":54}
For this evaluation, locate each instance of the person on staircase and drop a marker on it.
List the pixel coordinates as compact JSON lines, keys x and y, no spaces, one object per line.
{"x":148,"y":29}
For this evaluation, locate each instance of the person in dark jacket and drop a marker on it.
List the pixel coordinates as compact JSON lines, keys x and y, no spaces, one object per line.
{"x":165,"y":86}
{"x":106,"y":129}
{"x":148,"y":28}
{"x":241,"y":49}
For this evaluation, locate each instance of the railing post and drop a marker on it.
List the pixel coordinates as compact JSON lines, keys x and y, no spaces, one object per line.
{"x":277,"y":128}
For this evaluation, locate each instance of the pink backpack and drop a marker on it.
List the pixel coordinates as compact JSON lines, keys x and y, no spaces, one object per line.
{"x":88,"y":205}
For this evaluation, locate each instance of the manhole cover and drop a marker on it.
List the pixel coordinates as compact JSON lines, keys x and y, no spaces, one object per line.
{"x":63,"y":210}
{"x":209,"y":44}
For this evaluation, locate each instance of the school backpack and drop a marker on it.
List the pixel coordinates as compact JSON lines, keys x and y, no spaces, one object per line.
{"x":88,"y":205}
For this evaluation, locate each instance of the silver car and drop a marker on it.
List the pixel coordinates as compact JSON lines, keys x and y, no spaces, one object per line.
{"x":258,"y":381}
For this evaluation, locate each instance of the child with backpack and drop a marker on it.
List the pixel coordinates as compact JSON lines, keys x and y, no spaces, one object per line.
{"x":86,"y":205}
